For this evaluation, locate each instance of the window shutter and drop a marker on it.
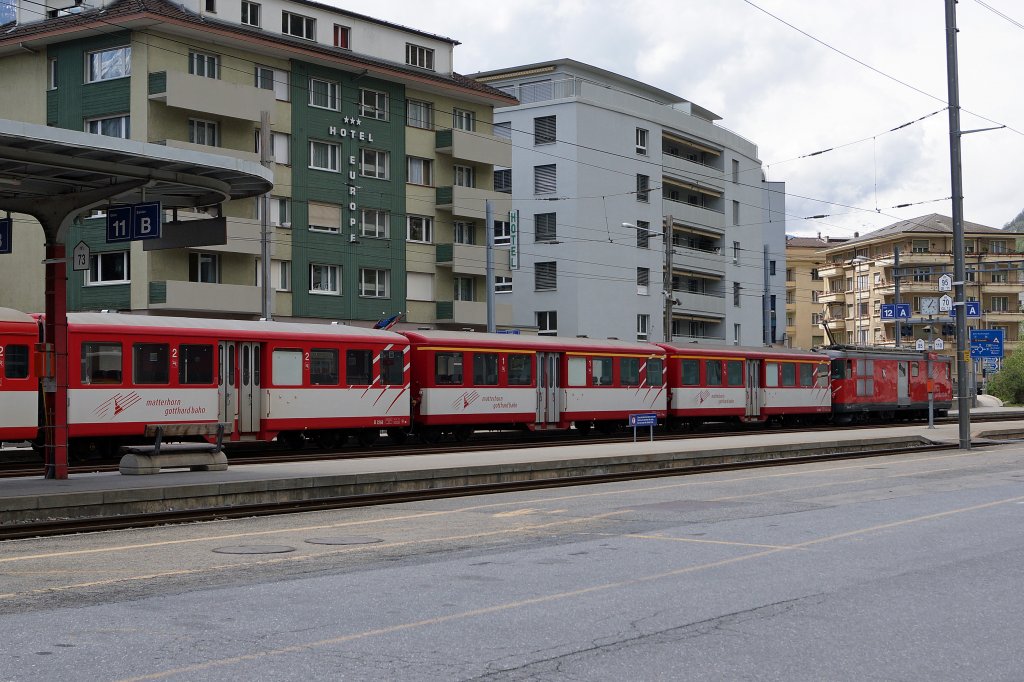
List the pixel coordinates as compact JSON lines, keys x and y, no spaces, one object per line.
{"x":544,"y":179}
{"x":325,"y":215}
{"x":544,"y":227}
{"x":545,"y":276}
{"x":544,"y":129}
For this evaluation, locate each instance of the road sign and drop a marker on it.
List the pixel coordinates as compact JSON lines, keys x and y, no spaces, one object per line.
{"x":945,"y":303}
{"x":80,"y":257}
{"x":919,"y":344}
{"x":945,"y":283}
{"x":6,"y":234}
{"x":929,"y":306}
{"x":888,"y":311}
{"x":643,"y":419}
{"x":938,"y":344}
{"x":134,"y":222}
{"x":986,"y":343}
{"x":895,"y":311}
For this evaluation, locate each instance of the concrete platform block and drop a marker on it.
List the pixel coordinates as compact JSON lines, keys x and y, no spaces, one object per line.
{"x":134,"y":464}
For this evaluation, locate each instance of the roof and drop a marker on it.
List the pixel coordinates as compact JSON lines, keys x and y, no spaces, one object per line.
{"x":741,"y":352}
{"x":806,"y":243}
{"x":555,"y":344}
{"x":12,"y":315}
{"x":933,"y":223}
{"x":138,"y":15}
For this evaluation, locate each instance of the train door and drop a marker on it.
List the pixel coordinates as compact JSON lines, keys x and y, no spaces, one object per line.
{"x":754,"y":397}
{"x":903,"y":383}
{"x":227,"y":384}
{"x":549,"y":395}
{"x":250,"y":379}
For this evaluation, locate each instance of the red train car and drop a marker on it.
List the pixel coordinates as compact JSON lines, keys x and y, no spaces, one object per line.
{"x":730,"y":383}
{"x":873,"y":383}
{"x":262,"y":379}
{"x":19,"y":384}
{"x":463,"y":381}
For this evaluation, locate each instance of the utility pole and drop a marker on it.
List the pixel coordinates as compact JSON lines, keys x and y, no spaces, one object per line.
{"x":766,"y":308}
{"x":956,"y":180}
{"x":670,"y":294}
{"x":896,"y":291}
{"x":267,"y":160}
{"x":489,"y":221}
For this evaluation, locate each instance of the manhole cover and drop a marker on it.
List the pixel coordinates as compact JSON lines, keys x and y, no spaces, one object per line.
{"x":255,"y":549}
{"x":344,"y":540}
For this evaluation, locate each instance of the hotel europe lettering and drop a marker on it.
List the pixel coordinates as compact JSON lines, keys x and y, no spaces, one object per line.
{"x":354,"y":135}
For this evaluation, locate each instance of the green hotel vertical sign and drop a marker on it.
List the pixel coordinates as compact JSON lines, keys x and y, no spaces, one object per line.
{"x":513,"y":233}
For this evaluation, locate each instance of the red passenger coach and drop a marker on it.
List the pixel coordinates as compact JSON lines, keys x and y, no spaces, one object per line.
{"x":19,"y":384}
{"x":262,"y":379}
{"x":464,"y":381}
{"x":745,"y":385}
{"x":871,"y":383}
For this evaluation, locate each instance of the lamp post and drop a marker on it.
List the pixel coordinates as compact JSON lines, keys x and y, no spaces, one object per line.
{"x":669,"y":294}
{"x":856,"y":263}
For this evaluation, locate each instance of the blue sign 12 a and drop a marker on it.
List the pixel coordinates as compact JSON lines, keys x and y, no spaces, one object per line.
{"x":6,"y":230}
{"x":986,"y":343}
{"x":131,"y":223}
{"x":895,"y":311}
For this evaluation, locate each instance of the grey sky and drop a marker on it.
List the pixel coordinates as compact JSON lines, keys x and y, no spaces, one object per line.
{"x":786,"y":92}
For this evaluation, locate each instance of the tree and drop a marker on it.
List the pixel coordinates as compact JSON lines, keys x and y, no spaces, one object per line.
{"x":1015,"y":225}
{"x":1008,"y":383}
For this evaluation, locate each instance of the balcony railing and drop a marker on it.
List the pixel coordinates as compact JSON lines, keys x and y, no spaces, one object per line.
{"x":544,"y":90}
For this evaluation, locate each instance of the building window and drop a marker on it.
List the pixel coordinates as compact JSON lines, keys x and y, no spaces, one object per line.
{"x":419,"y":114}
{"x":643,"y":234}
{"x":341,"y":36}
{"x":250,"y":13}
{"x":997,"y":246}
{"x":736,"y":294}
{"x":464,"y":232}
{"x":1000,"y":304}
{"x":463,"y":176}
{"x":273,"y":79}
{"x":420,"y":229}
{"x":324,"y":217}
{"x":547,"y":322}
{"x":203,"y":64}
{"x":374,"y":163}
{"x":771,"y":269}
{"x":211,"y":6}
{"x":815,"y":294}
{"x":502,"y":285}
{"x":736,"y":334}
{"x":323,"y":279}
{"x":323,"y":94}
{"x":416,"y":55}
{"x":643,"y":322}
{"x":544,"y":130}
{"x":643,"y":280}
{"x":643,"y":186}
{"x":373,"y":104}
{"x":280,"y":146}
{"x":999,"y":278}
{"x":502,"y":233}
{"x":52,"y":70}
{"x":284,"y":274}
{"x":323,"y":155}
{"x":814,"y":275}
{"x":735,"y":170}
{"x":420,"y":171}
{"x":736,"y":253}
{"x":298,"y":26}
{"x":463,"y":289}
{"x":544,"y":179}
{"x":463,"y":120}
{"x":113,"y":126}
{"x":204,"y":267}
{"x":375,"y":223}
{"x":544,"y":227}
{"x":922,"y":274}
{"x":735,"y":213}
{"x":641,"y":143}
{"x":545,"y":276}
{"x":108,"y":268}
{"x":106,"y":65}
{"x":503,"y":130}
{"x":280,"y":211}
{"x":919,"y":246}
{"x":503,"y":180}
{"x":374,"y":283}
{"x":203,"y":132}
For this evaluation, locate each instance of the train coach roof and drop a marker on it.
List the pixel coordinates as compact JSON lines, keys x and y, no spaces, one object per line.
{"x":12,"y":315}
{"x":742,"y":351}
{"x":537,"y":343}
{"x":255,"y":329}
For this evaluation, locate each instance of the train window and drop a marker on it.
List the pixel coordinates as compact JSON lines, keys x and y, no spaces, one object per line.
{"x":577,"y":371}
{"x":734,"y":373}
{"x":915,"y":369}
{"x":358,"y":367}
{"x":485,"y":369}
{"x":323,"y":367}
{"x":101,"y":363}
{"x":713,"y":372}
{"x":151,"y":363}
{"x":256,"y":365}
{"x":837,"y":369}
{"x":195,"y":364}
{"x":601,"y":372}
{"x":15,"y":361}
{"x":448,"y":369}
{"x":806,"y":374}
{"x":788,"y":374}
{"x":771,"y":374}
{"x":520,"y":369}
{"x":286,"y":365}
{"x":691,"y":373}
{"x":655,"y":372}
{"x":629,"y":371}
{"x":232,"y":364}
{"x":392,"y":368}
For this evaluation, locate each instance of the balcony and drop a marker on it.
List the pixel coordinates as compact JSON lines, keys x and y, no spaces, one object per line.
{"x":994,"y":316}
{"x":694,"y":170}
{"x":204,"y":298}
{"x":207,"y":149}
{"x":476,"y":147}
{"x":699,"y":304}
{"x":916,"y":258}
{"x":685,"y":258}
{"x":832,"y":297}
{"x":472,"y":313}
{"x":999,"y":288}
{"x":470,"y":202}
{"x":544,"y":90}
{"x":470,"y":259}
{"x":689,"y":213}
{"x":210,"y":95}
{"x":831,"y":270}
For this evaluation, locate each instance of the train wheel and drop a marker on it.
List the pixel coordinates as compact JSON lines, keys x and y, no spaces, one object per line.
{"x":462,"y":433}
{"x":430,"y":434}
{"x":583,"y":428}
{"x":398,"y":436}
{"x":326,"y":439}
{"x":293,"y":440}
{"x":367,"y":437}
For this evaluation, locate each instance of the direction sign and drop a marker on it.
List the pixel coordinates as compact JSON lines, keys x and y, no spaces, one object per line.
{"x":80,"y":257}
{"x":945,"y":303}
{"x":6,"y":234}
{"x":986,"y":343}
{"x":945,"y":283}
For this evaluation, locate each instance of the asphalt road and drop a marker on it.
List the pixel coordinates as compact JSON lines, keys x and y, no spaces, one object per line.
{"x":899,"y":568}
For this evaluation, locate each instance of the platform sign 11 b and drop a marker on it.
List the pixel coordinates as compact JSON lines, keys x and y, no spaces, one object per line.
{"x":6,"y":234}
{"x":134,"y":222}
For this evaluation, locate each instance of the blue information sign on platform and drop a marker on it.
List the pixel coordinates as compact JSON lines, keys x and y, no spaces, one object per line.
{"x":895,"y":311}
{"x":986,"y":343}
{"x":644,"y":419}
{"x":973,"y":309}
{"x":132,"y":223}
{"x":119,"y":224}
{"x":6,"y":234}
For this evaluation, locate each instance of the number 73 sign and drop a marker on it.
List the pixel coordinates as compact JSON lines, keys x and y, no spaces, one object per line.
{"x":80,"y":257}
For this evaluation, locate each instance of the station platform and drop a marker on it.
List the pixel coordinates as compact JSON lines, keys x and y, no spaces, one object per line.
{"x":95,"y":495}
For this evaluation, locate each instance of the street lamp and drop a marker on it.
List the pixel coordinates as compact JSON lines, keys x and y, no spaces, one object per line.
{"x":856,"y":263}
{"x":668,"y":292}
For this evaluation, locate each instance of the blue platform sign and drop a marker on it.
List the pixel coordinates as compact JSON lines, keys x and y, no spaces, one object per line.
{"x":973,"y":309}
{"x":134,"y":222}
{"x":895,"y":311}
{"x":119,"y":224}
{"x":986,"y":343}
{"x":6,"y":234}
{"x":643,"y":419}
